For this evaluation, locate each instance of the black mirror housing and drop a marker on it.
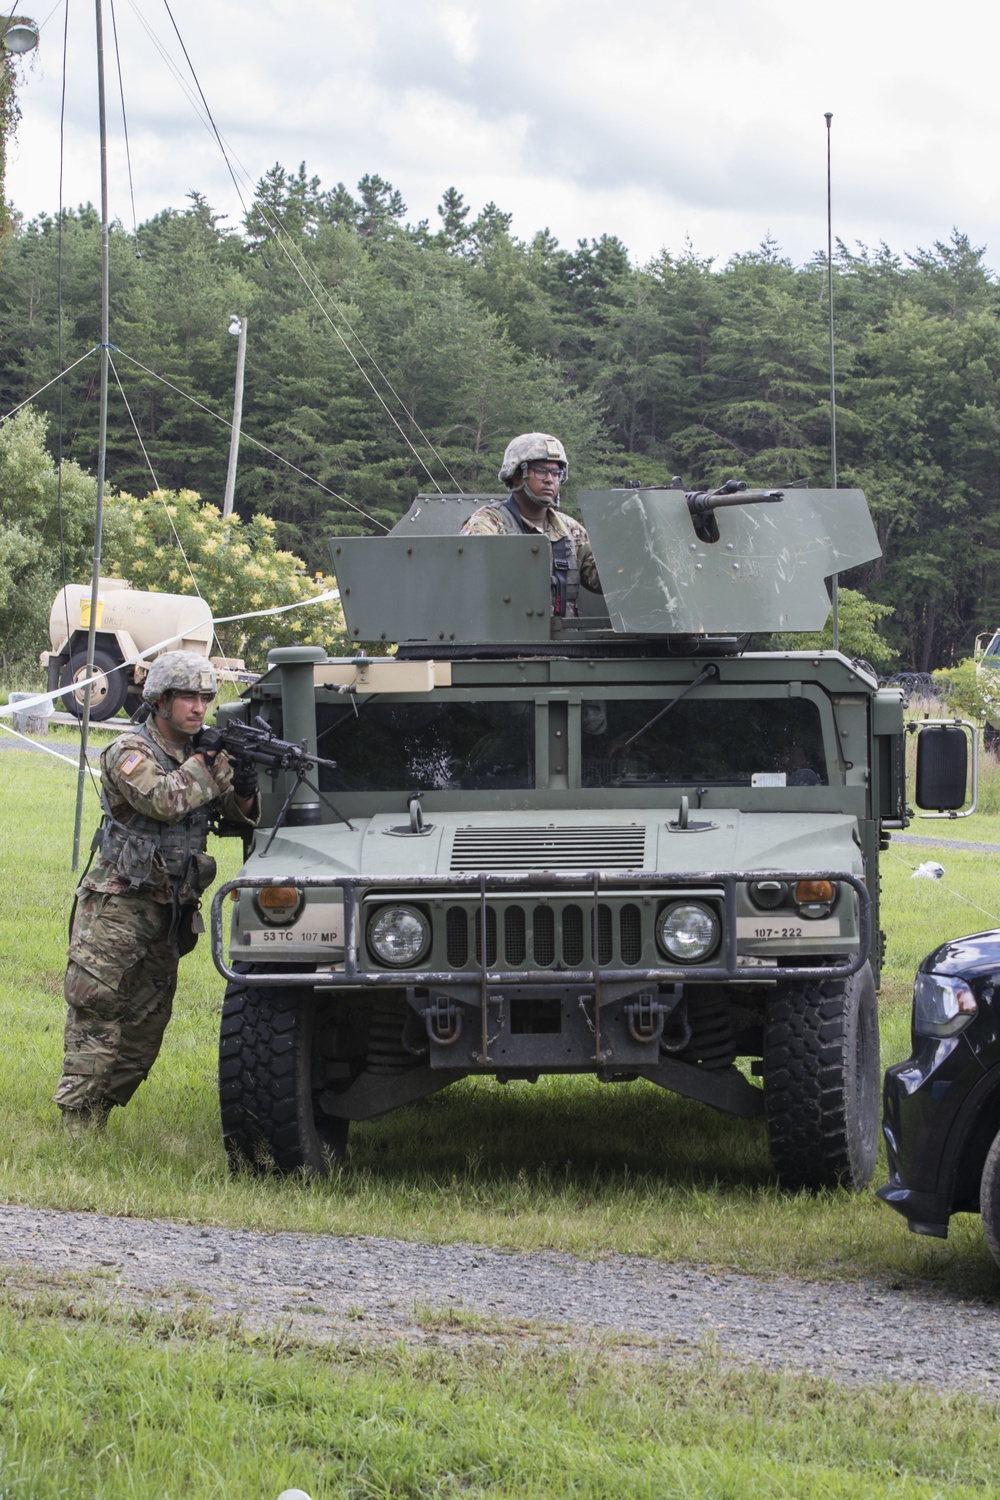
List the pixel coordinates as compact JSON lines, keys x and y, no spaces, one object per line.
{"x":942,"y":767}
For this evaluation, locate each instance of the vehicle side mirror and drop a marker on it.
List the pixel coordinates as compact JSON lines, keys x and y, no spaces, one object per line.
{"x":942,"y":768}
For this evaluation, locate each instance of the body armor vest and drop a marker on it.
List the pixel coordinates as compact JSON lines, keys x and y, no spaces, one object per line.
{"x":565,"y":567}
{"x":145,"y":847}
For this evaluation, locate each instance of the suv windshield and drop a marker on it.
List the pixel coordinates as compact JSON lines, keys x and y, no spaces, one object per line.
{"x":711,"y":740}
{"x":427,"y":746}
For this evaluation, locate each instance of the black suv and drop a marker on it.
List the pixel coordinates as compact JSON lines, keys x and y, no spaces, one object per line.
{"x":942,"y":1106}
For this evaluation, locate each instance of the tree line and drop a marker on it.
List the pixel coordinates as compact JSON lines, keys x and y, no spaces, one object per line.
{"x":385,"y":358}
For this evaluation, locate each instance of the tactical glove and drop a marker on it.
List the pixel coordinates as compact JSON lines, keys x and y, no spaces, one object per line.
{"x":245,"y":781}
{"x":208,"y":742}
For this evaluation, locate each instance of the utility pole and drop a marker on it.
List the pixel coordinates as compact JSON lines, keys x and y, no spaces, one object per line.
{"x":237,"y":325}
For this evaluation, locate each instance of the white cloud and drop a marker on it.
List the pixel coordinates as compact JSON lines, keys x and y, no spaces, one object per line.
{"x":649,"y":120}
{"x":459,"y":28}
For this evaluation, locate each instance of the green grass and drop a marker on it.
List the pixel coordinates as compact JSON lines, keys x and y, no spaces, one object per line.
{"x":569,"y":1164}
{"x":98,"y":1401}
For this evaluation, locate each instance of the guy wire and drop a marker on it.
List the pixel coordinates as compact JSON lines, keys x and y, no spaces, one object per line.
{"x":159,"y":493}
{"x":310,"y":289}
{"x":128,"y":154}
{"x":55,"y":379}
{"x":59,"y":317}
{"x":245,"y":437}
{"x":201,"y":108}
{"x":957,"y":894}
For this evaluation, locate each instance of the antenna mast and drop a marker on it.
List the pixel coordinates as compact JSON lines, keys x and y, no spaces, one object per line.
{"x":102,"y":441}
{"x":833,"y":386}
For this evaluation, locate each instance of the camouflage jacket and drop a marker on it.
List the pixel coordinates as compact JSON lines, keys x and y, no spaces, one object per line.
{"x":489,"y":521}
{"x":133,"y":781}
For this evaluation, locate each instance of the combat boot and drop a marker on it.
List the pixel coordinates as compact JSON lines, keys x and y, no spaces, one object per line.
{"x":90,"y":1119}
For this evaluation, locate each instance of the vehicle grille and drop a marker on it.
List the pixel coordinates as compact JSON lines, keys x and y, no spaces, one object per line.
{"x":572,"y":936}
{"x":505,"y":849}
{"x":541,"y":936}
{"x":631,"y":933}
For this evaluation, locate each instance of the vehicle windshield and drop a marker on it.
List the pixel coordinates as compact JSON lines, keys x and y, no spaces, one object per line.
{"x":702,"y":740}
{"x":427,"y":746}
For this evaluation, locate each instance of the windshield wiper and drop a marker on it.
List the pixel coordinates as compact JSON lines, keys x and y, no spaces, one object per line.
{"x":703,"y":676}
{"x":354,"y":712}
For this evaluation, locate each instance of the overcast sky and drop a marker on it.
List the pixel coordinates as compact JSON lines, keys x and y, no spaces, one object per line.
{"x":658,"y":122}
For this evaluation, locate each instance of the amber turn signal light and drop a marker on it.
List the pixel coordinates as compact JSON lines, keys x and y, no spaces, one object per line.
{"x":278,"y":897}
{"x":813,"y":890}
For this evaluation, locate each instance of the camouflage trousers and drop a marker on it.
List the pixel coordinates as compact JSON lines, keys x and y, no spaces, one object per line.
{"x":120,"y":985}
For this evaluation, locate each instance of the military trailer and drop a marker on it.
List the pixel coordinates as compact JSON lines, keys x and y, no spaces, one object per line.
{"x":620,"y":844}
{"x":129,"y":622}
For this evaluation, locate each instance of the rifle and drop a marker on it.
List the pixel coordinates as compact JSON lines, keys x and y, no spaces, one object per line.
{"x":258,"y":743}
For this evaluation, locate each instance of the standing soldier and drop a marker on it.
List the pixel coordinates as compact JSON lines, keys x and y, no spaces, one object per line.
{"x":534,"y":466}
{"x":137,"y":911}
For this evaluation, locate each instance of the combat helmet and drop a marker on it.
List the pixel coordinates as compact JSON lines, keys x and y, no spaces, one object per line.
{"x":179,"y":672}
{"x":530,"y":447}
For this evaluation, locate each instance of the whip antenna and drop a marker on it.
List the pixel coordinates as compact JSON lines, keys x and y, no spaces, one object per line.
{"x":102,"y":442}
{"x":833,"y":384}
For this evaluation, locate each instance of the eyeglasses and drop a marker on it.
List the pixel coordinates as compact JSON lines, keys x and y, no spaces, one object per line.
{"x":541,"y":471}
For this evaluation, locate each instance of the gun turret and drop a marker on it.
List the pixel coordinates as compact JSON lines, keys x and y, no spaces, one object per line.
{"x":710,"y":564}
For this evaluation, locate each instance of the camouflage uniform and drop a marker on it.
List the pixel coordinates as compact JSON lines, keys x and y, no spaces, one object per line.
{"x":126,"y":938}
{"x":499,"y":520}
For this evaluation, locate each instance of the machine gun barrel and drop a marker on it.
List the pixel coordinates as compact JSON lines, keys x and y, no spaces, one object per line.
{"x":703,"y":501}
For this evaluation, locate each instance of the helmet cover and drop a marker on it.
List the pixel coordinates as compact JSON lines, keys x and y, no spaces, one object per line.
{"x":179,"y":672}
{"x":531,"y":447}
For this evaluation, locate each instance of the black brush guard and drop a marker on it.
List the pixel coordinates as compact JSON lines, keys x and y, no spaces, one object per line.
{"x":593,"y":884}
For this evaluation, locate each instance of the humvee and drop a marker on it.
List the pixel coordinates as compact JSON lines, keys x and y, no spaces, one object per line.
{"x":620,"y":844}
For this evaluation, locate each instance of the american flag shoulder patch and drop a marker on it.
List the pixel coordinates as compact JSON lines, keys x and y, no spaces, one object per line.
{"x":130,"y":762}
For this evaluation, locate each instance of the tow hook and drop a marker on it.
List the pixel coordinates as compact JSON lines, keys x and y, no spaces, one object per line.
{"x":443,"y":1019}
{"x":645,"y":1016}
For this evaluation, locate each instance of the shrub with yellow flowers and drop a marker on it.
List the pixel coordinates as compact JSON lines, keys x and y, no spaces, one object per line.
{"x":171,"y":542}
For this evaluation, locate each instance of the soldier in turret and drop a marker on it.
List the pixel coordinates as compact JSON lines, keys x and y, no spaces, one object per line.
{"x":533,"y":469}
{"x":137,"y":910}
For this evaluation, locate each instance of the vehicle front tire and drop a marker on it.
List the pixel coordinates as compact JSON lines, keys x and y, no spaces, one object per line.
{"x":108,"y":692}
{"x":989,"y":1199}
{"x":271,"y":1119}
{"x":821,"y":1082}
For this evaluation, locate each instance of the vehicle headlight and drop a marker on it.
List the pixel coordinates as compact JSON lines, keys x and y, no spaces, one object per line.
{"x":768,"y":893}
{"x":278,"y":905}
{"x":942,"y":1004}
{"x":399,"y":935}
{"x":688,"y":931}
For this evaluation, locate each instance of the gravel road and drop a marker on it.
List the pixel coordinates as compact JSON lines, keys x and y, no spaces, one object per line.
{"x":65,"y":752}
{"x":325,"y":1287}
{"x":928,"y":842}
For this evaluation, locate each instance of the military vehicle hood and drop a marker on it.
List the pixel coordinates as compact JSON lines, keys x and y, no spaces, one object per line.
{"x":463,"y":843}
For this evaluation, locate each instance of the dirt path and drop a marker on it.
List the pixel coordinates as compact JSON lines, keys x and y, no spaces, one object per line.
{"x":325,"y":1286}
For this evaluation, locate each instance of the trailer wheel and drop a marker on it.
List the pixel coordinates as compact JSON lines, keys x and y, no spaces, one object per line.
{"x":108,"y":692}
{"x":821,"y":1082}
{"x":271,"y":1117}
